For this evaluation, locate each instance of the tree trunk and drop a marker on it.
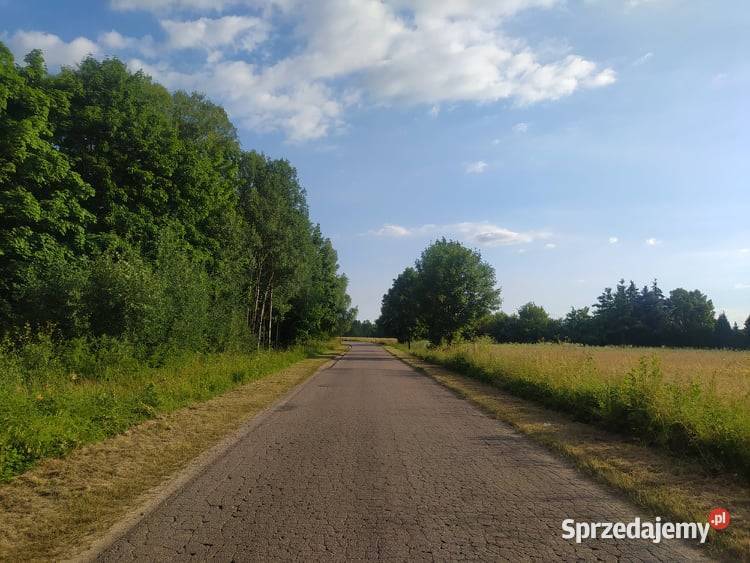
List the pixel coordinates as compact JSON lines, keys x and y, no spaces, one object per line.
{"x":260,"y":321}
{"x":270,"y":319}
{"x":257,"y":296}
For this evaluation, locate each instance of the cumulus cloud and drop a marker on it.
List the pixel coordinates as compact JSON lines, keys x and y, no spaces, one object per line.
{"x":521,"y":127}
{"x":480,"y":233}
{"x":382,"y":52}
{"x":613,"y":240}
{"x":476,"y":167}
{"x":397,"y":51}
{"x":550,"y":245}
{"x":742,"y":286}
{"x":56,"y":51}
{"x":238,"y":32}
{"x":115,"y":41}
{"x":652,"y":242}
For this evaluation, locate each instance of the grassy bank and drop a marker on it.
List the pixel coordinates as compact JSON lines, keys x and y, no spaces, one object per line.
{"x":55,"y":397}
{"x":58,"y":508}
{"x":687,"y":401}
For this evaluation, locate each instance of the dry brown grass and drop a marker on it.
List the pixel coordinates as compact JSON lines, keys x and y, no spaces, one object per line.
{"x":58,"y":508}
{"x":666,"y":485}
{"x":728,"y":371}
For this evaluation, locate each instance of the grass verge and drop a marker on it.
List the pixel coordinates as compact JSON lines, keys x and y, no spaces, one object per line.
{"x":59,"y":507}
{"x":674,"y":487}
{"x":56,"y":397}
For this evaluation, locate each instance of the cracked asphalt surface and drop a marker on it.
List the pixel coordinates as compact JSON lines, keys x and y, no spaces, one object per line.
{"x":373,"y":460}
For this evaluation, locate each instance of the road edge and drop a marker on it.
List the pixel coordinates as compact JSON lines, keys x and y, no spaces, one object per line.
{"x":192,"y":471}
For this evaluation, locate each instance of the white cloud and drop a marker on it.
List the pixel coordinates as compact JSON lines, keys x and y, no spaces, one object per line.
{"x":398,"y":51}
{"x":744,"y":250}
{"x":550,"y":245}
{"x":396,"y":231}
{"x":434,"y":111}
{"x":495,"y":141}
{"x":613,"y":240}
{"x":115,"y":41}
{"x":481,"y":233}
{"x":643,"y":59}
{"x":238,"y":32}
{"x":652,"y":242}
{"x":742,"y":286}
{"x":487,"y":234}
{"x":477,"y":167}
{"x":521,"y":127}
{"x":382,"y":52}
{"x":56,"y":51}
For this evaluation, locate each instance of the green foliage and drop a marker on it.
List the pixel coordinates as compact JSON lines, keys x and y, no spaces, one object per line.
{"x":120,"y":137}
{"x":136,"y":233}
{"x":399,"y":314}
{"x":363,"y":329}
{"x":446,"y":295}
{"x":625,"y":316}
{"x":55,"y":396}
{"x":132,"y":213}
{"x":41,"y":197}
{"x":321,"y":306}
{"x":456,"y":289}
{"x":293,"y":282}
{"x":691,"y":317}
{"x":724,"y":336}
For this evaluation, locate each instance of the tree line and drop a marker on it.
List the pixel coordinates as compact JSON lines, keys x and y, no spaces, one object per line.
{"x":129,"y":212}
{"x":450,"y":293}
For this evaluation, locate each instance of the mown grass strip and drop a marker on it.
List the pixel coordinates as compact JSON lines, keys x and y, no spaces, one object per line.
{"x":674,"y":487}
{"x":59,"y":507}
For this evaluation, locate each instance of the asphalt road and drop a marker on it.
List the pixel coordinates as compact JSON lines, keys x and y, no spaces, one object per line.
{"x":372,"y":460}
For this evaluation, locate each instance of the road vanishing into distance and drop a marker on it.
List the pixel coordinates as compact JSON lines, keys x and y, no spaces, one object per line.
{"x":370,"y":459}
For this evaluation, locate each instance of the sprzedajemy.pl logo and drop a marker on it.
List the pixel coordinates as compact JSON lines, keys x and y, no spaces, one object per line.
{"x":638,"y":529}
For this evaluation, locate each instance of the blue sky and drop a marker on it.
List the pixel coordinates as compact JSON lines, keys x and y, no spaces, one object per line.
{"x":573,"y":142}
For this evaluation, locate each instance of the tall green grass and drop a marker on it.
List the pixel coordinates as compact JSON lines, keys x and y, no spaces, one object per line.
{"x":56,"y":396}
{"x":699,"y":416}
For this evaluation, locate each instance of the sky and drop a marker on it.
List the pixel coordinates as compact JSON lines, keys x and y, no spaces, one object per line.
{"x":572,"y":142}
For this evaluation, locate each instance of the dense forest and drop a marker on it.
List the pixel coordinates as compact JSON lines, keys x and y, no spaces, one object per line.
{"x":449,"y":294}
{"x":132,"y":213}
